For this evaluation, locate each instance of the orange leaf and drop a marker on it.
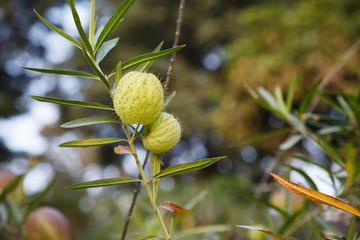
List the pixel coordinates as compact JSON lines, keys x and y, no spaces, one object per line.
{"x":174,"y":208}
{"x":120,"y":150}
{"x":316,"y":196}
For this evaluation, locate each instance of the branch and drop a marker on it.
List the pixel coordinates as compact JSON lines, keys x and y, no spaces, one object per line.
{"x":176,"y":42}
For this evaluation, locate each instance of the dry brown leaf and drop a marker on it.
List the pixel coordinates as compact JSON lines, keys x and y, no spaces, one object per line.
{"x":316,"y":196}
{"x":174,"y":208}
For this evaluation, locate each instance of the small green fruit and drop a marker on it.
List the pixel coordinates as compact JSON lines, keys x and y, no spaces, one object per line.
{"x":139,"y":98}
{"x":164,"y":133}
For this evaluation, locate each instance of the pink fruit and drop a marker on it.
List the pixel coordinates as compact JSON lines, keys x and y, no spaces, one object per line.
{"x":46,"y":223}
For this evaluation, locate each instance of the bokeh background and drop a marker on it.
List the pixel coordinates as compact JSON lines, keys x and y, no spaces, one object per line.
{"x":229,"y":43}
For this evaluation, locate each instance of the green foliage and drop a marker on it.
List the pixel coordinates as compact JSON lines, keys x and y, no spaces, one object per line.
{"x":275,"y":40}
{"x":337,"y":138}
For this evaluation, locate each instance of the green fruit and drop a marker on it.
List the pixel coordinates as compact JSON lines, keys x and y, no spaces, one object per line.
{"x":139,"y":98}
{"x":163,"y":134}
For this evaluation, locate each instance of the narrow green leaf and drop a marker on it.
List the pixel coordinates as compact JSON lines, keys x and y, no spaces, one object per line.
{"x":252,"y":93}
{"x":97,"y":71}
{"x":270,"y":233}
{"x":10,"y":187}
{"x":289,"y":223}
{"x":329,"y":101}
{"x":202,"y":230}
{"x":264,"y":136}
{"x":37,"y":200}
{"x":148,"y":238}
{"x":113,"y":22}
{"x":328,"y":226}
{"x":297,"y":123}
{"x":327,"y":169}
{"x":147,"y":57}
{"x":290,"y":142}
{"x":94,"y":142}
{"x":105,"y":49}
{"x":345,"y":106}
{"x":168,"y":100}
{"x":316,"y":228}
{"x":305,"y":175}
{"x":195,"y":200}
{"x":97,"y":34}
{"x":262,"y":202}
{"x":291,"y":92}
{"x":280,"y":102}
{"x":171,"y":226}
{"x":187,"y":167}
{"x":80,"y":122}
{"x":72,"y":103}
{"x":59,"y":31}
{"x":63,"y":72}
{"x":261,"y":101}
{"x":145,"y":66}
{"x":335,"y":129}
{"x":350,"y":235}
{"x":118,"y":73}
{"x":155,"y":169}
{"x":102,"y":183}
{"x":92,"y":23}
{"x":80,"y":28}
{"x":334,"y":237}
{"x":308,"y":96}
{"x":14,"y":212}
{"x":269,"y":98}
{"x":330,"y":151}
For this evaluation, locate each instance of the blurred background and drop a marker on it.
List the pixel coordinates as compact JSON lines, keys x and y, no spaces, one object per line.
{"x":228,"y":43}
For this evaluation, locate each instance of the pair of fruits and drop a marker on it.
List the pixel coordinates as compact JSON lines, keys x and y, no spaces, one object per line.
{"x":139,"y":98}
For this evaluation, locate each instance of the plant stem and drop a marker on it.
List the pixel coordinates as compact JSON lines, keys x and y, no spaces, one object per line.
{"x":136,"y":193}
{"x":176,"y":41}
{"x":146,"y":183}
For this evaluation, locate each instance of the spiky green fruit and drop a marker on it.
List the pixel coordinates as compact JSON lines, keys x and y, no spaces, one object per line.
{"x":163,"y":134}
{"x":139,"y":98}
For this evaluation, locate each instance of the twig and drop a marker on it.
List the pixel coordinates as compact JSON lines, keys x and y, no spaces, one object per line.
{"x":326,"y":80}
{"x":168,"y":75}
{"x":176,"y":41}
{"x":136,"y":193}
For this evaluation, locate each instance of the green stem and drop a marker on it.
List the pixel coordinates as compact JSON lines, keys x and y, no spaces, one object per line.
{"x":155,"y":168}
{"x":146,"y":183}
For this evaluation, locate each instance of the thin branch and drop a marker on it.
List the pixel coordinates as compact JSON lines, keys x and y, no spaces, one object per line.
{"x":136,"y":193}
{"x":176,"y":42}
{"x":280,"y":154}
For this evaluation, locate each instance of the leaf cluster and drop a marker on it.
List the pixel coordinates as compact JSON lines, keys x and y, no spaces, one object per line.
{"x":337,"y":137}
